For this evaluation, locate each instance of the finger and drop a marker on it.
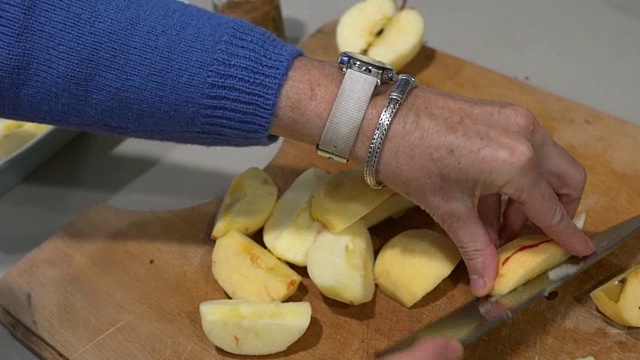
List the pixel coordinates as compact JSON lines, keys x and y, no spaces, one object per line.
{"x":431,"y":348}
{"x":489,"y":212}
{"x":562,"y":171}
{"x":478,"y":252}
{"x":544,"y":209}
{"x":513,"y":220}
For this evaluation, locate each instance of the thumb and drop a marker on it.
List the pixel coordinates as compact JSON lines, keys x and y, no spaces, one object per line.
{"x":437,"y":348}
{"x":476,"y":248}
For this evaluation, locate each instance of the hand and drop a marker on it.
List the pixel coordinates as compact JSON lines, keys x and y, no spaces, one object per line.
{"x":456,"y":156}
{"x":439,"y":348}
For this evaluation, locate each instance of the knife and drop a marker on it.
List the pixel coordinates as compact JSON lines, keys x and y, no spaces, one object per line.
{"x":472,"y":320}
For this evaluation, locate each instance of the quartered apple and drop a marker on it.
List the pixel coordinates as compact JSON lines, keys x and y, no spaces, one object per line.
{"x":525,"y":258}
{"x":619,"y":299}
{"x":394,"y":206}
{"x":344,"y":199}
{"x":290,"y":230}
{"x":246,"y":328}
{"x":16,"y":134}
{"x":247,"y":204}
{"x":247,"y":271}
{"x":413,"y":263}
{"x":381,"y":30}
{"x":341,"y":264}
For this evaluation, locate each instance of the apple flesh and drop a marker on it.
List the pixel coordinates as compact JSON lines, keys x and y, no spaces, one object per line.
{"x":393,"y":206}
{"x":525,"y":258}
{"x":381,"y":30}
{"x":344,"y":199}
{"x":619,"y":299}
{"x":247,"y":271}
{"x":244,"y":328}
{"x":247,"y":204}
{"x":14,"y":135}
{"x":413,"y":263}
{"x":341,"y":264}
{"x":290,"y":230}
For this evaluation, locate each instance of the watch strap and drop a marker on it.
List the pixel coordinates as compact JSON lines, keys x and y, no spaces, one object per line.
{"x":346,"y":116}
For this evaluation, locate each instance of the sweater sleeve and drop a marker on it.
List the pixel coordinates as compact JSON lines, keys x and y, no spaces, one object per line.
{"x":154,"y":69}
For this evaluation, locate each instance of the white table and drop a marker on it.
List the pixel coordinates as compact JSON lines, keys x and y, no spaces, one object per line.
{"x":584,"y":50}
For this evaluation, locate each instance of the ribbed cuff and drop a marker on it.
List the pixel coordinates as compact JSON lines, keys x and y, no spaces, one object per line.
{"x":240,"y":103}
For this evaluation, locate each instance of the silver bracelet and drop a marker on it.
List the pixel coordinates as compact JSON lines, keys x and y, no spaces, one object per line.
{"x":398,"y":93}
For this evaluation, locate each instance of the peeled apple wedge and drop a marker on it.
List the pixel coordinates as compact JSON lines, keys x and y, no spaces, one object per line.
{"x":341,"y":264}
{"x":254,"y":328}
{"x":14,"y":135}
{"x":290,"y":229}
{"x":344,"y":199}
{"x":381,"y":30}
{"x":525,"y":258}
{"x":619,"y":299}
{"x":247,"y":271}
{"x":413,"y":263}
{"x":391,"y":207}
{"x":247,"y":204}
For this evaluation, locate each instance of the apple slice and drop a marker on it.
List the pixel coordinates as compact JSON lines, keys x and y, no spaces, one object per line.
{"x":413,"y":263}
{"x":619,"y":299}
{"x":247,"y":204}
{"x":247,"y":271}
{"x":393,"y":206}
{"x":14,"y":135}
{"x":525,"y":258}
{"x":344,"y":199}
{"x":381,"y":30}
{"x":245,"y":328}
{"x":290,"y":229}
{"x":341,"y":264}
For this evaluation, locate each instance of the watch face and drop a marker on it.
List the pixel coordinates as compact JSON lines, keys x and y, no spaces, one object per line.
{"x":384,"y":73}
{"x":347,"y":56}
{"x":350,"y":57}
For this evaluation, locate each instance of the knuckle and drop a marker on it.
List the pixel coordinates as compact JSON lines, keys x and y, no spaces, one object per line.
{"x":523,"y":120}
{"x":471,"y":252}
{"x":521,"y":154}
{"x":557,"y":216}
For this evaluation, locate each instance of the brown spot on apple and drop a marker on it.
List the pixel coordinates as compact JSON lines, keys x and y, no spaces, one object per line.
{"x":256,"y":261}
{"x":291,"y":284}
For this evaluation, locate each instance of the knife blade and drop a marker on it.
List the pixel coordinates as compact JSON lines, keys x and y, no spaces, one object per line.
{"x":473,"y":319}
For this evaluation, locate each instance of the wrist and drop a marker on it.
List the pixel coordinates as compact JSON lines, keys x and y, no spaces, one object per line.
{"x":306,"y":99}
{"x":362,"y":144}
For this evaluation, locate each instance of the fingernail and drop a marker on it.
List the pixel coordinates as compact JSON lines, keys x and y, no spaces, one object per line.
{"x":477,"y":284}
{"x":592,"y":245}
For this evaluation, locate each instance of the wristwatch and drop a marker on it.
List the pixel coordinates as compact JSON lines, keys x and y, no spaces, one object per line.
{"x":361,"y":76}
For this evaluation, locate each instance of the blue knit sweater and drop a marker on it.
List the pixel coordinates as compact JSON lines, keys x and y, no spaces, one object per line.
{"x":154,"y":69}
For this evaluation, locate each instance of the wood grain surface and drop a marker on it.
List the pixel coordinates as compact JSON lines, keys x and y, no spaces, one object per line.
{"x":121,"y":284}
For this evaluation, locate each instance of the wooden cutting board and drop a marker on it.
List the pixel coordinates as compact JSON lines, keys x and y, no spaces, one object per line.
{"x":121,"y":284}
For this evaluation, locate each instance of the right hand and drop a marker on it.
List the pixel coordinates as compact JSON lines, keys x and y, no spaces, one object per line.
{"x":456,"y":156}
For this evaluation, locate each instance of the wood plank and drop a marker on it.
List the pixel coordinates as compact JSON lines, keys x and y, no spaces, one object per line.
{"x":124,"y":284}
